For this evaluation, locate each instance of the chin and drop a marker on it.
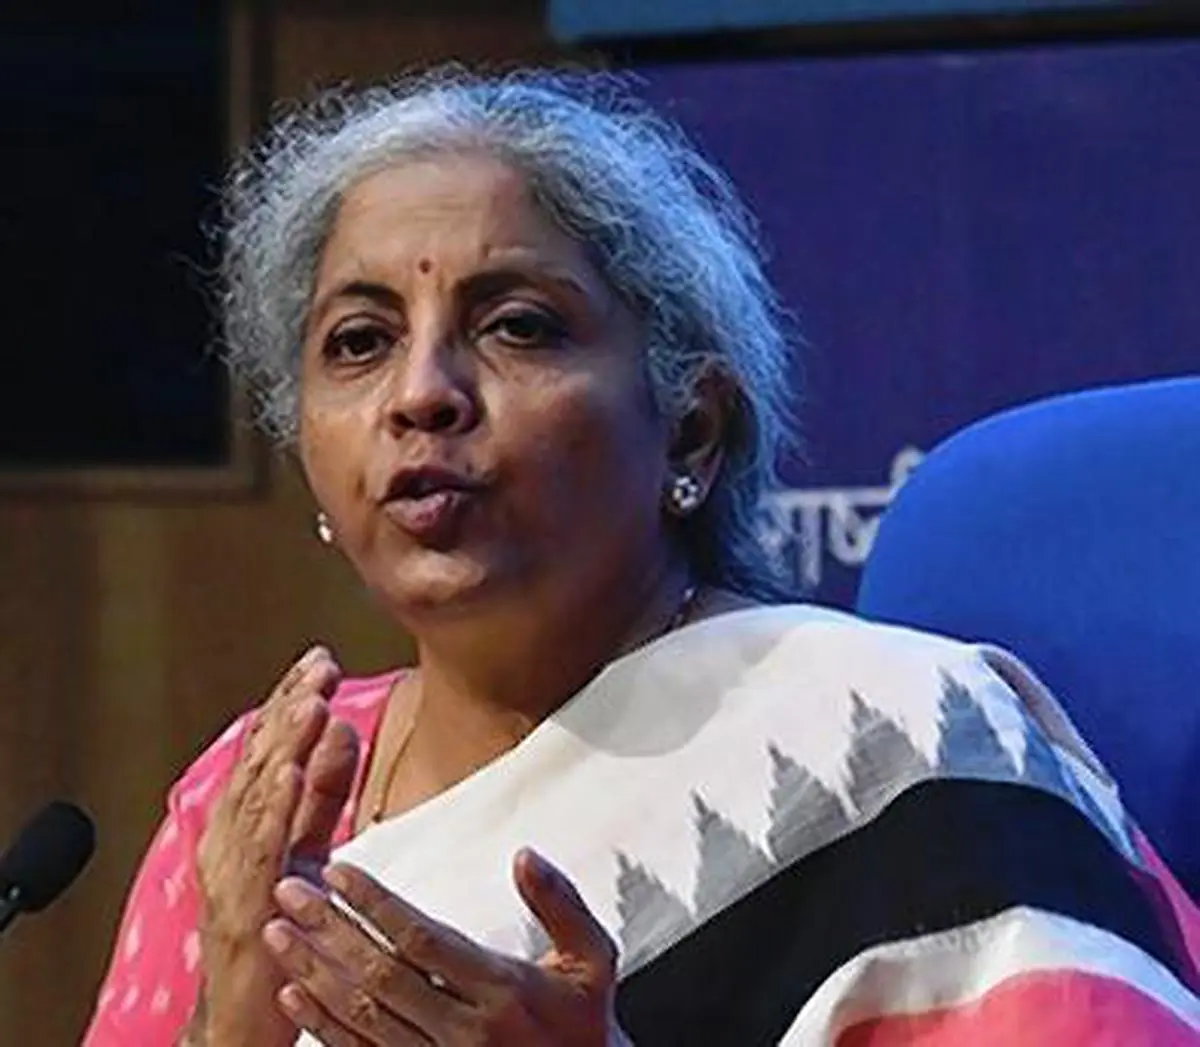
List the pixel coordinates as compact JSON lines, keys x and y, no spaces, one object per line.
{"x":428,"y":582}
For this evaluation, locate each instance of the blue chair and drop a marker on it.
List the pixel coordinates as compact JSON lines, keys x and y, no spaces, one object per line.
{"x":1068,"y":531}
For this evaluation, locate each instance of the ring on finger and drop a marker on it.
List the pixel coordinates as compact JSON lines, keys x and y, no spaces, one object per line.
{"x":352,"y":915}
{"x":384,"y":943}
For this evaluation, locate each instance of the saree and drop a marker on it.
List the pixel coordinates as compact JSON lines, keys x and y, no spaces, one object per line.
{"x":804,"y":829}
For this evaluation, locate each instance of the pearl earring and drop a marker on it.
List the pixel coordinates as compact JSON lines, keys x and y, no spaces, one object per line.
{"x":324,"y":529}
{"x":685,"y":494}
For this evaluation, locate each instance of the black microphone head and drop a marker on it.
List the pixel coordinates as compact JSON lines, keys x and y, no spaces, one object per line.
{"x":47,"y":855}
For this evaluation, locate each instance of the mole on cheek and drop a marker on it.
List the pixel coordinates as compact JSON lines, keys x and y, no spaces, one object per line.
{"x":424,"y":265}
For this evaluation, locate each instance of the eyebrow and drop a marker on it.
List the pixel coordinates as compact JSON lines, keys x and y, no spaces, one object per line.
{"x":490,"y":283}
{"x":378,"y":293}
{"x":486,"y":283}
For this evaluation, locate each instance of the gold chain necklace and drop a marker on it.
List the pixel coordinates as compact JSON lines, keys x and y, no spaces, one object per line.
{"x":687,"y":604}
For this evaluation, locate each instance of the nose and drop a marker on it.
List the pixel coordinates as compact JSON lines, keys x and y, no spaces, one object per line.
{"x":432,"y":389}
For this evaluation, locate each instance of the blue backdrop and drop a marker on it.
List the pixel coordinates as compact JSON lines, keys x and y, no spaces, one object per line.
{"x":576,"y":19}
{"x":957,"y":233}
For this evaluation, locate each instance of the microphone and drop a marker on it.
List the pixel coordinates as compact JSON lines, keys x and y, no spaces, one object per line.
{"x":49,"y":852}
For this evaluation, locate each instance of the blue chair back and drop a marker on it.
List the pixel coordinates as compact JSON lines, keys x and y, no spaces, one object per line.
{"x":1068,"y":531}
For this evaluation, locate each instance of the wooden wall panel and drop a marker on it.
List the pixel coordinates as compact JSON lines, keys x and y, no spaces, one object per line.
{"x":315,"y":46}
{"x":133,"y":628}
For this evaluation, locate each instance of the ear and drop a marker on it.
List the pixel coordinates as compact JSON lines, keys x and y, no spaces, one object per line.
{"x":697,"y":446}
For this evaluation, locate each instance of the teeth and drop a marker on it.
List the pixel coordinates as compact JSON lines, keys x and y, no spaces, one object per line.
{"x":425,"y":487}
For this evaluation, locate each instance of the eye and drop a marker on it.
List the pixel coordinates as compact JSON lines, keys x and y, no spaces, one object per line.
{"x":527,"y":329}
{"x":357,"y":343}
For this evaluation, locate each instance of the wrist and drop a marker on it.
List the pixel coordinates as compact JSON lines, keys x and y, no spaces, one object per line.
{"x":238,"y":1010}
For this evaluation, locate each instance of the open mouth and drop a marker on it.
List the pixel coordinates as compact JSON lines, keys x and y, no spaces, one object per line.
{"x":422,"y":482}
{"x":427,"y":503}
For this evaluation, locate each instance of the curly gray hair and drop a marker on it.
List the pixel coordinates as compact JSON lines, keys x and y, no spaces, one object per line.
{"x":666,"y":228}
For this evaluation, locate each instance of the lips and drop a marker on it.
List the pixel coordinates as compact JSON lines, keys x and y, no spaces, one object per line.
{"x":426,"y":480}
{"x":429,"y":502}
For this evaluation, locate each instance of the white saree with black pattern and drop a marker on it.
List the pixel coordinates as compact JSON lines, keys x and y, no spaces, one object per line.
{"x":802,"y":828}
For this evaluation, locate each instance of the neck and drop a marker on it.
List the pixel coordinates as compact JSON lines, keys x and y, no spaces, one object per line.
{"x":486,"y":682}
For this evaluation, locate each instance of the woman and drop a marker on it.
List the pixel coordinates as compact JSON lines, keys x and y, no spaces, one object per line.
{"x":519,"y":336}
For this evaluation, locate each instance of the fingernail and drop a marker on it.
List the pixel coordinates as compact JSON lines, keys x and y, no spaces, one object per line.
{"x":313,"y":655}
{"x":320,"y":665}
{"x":293,"y":893}
{"x":291,"y":998}
{"x":276,"y":935}
{"x":543,"y":871}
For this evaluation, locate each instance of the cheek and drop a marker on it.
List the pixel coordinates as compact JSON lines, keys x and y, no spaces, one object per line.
{"x":330,"y":445}
{"x":594,"y":450}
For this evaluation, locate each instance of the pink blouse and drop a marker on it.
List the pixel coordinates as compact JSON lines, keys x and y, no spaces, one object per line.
{"x":154,"y":973}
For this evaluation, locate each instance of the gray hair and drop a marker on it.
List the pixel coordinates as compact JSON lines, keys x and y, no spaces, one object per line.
{"x":666,"y":228}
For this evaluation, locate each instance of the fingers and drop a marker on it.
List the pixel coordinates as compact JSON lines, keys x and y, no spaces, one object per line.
{"x":246,"y":839}
{"x":306,"y":1012}
{"x":290,"y":722}
{"x":245,"y":845}
{"x":237,"y":873}
{"x":328,"y":785}
{"x":581,"y":943}
{"x":372,"y":969}
{"x":420,"y":941}
{"x":284,"y":727}
{"x":264,"y":845}
{"x":358,"y":980}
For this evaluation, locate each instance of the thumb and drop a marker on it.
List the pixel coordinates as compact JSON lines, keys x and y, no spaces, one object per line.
{"x":581,"y":942}
{"x":328,"y":783}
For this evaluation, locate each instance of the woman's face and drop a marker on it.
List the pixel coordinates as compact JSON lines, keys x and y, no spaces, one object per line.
{"x":475,"y":413}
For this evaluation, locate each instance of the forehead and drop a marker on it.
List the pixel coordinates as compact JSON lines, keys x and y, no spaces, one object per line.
{"x":451,"y":210}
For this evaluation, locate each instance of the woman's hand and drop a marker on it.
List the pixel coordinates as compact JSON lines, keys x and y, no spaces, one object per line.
{"x":427,"y":984}
{"x":279,"y":812}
